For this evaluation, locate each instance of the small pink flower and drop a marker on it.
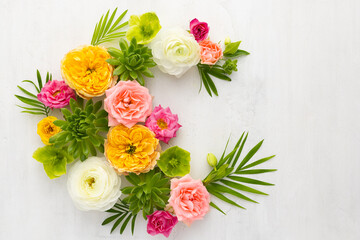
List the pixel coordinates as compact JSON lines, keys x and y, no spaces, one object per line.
{"x":161,"y":222}
{"x":210,"y":52}
{"x":189,"y":199}
{"x":127,"y":103}
{"x":163,"y":123}
{"x":56,"y":94}
{"x":200,"y":30}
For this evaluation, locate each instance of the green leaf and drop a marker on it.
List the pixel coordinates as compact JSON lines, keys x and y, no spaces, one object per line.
{"x":111,"y":210}
{"x":224,"y":189}
{"x":255,"y":171}
{"x":250,"y":180}
{"x":225,"y":199}
{"x":238,"y":53}
{"x":232,"y":47}
{"x":250,"y":154}
{"x":217,"y":74}
{"x":125,"y":223}
{"x":260,"y":161}
{"x":241,"y":187}
{"x":211,"y":83}
{"x":118,"y":222}
{"x":34,"y":112}
{"x":28,"y":81}
{"x":27,"y":92}
{"x":29,"y":101}
{"x":110,"y":219}
{"x":240,"y":150}
{"x":33,"y":109}
{"x":105,"y":31}
{"x":133,"y":224}
{"x":39,"y":79}
{"x":204,"y":80}
{"x":216,"y":207}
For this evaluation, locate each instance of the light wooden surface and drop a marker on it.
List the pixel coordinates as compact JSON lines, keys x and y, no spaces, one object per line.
{"x":299,"y":89}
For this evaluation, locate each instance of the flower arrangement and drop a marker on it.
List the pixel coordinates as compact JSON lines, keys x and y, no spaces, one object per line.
{"x":94,"y":147}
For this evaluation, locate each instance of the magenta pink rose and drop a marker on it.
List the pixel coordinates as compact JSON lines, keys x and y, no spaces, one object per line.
{"x":161,"y":222}
{"x":127,"y":103}
{"x":163,"y":123}
{"x":56,"y":94}
{"x":200,"y":30}
{"x":189,"y":199}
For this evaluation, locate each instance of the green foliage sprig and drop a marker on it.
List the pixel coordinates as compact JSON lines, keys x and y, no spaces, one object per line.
{"x":34,"y":107}
{"x":220,"y":71}
{"x":121,"y":213}
{"x":226,"y":177}
{"x":150,"y":190}
{"x":81,"y":129}
{"x":107,"y":31}
{"x":131,"y":62}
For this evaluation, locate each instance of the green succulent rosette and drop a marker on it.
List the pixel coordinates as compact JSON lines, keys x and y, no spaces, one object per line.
{"x":54,"y":160}
{"x":174,"y":162}
{"x":143,"y":28}
{"x":131,"y":62}
{"x":149,"y":191}
{"x":81,"y":129}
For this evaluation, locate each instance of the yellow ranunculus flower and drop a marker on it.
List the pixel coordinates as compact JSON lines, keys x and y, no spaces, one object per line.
{"x":46,"y":129}
{"x":132,"y":149}
{"x":86,"y":71}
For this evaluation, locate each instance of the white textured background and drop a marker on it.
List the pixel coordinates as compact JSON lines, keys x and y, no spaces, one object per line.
{"x":299,"y":89}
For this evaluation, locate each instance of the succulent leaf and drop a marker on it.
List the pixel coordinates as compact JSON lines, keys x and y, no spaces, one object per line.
{"x":132,"y":62}
{"x":149,"y":191}
{"x":81,"y":129}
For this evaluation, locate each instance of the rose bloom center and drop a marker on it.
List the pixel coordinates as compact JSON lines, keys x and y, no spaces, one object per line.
{"x":162,"y":124}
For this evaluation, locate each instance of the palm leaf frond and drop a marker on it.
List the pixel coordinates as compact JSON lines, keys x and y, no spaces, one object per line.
{"x":107,"y":30}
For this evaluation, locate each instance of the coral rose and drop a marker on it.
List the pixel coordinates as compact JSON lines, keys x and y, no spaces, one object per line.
{"x":132,"y":149}
{"x":163,"y":123}
{"x":189,"y":199}
{"x":210,"y":52}
{"x":46,"y":129}
{"x":200,"y":30}
{"x":86,"y":71}
{"x":161,"y":222}
{"x":127,"y":103}
{"x":56,"y":94}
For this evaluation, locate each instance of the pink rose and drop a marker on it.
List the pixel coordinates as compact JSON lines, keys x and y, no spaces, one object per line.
{"x":56,"y":94}
{"x":189,"y":199}
{"x":210,"y":52}
{"x":127,"y":103}
{"x":200,"y":30}
{"x":163,"y":123}
{"x":161,"y":222}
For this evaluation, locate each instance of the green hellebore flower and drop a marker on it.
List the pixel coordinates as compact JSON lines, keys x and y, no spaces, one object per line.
{"x":54,"y":160}
{"x":174,"y":162}
{"x":143,"y":28}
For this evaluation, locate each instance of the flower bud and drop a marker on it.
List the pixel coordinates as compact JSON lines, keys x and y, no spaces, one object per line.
{"x":212,"y":160}
{"x":227,"y":41}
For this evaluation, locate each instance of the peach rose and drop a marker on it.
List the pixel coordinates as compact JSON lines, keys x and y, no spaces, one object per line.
{"x":189,"y":199}
{"x":210,"y":52}
{"x":127,"y":103}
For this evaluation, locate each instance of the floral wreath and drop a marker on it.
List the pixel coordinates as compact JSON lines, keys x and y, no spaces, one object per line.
{"x":160,"y":185}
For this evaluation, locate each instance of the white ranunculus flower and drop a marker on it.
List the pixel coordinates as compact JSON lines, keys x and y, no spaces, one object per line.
{"x":175,"y":51}
{"x":93,"y":184}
